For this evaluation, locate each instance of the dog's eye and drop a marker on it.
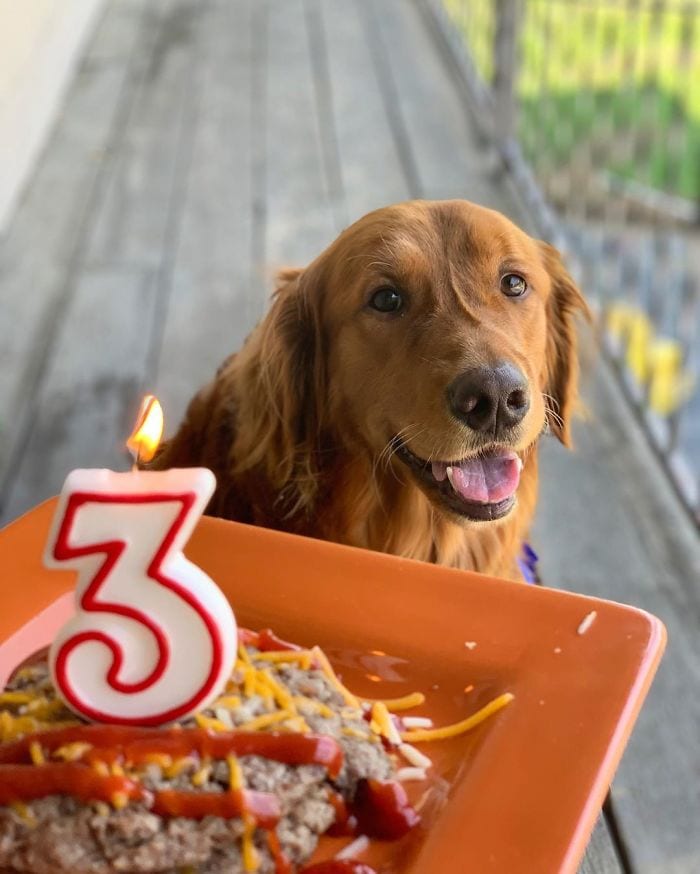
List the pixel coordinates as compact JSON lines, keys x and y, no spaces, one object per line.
{"x":386,"y":300}
{"x":513,"y":285}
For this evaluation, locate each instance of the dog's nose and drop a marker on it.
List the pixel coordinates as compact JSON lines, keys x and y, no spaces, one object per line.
{"x":490,"y":398}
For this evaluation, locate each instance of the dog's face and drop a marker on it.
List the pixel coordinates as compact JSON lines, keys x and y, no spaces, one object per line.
{"x":446,"y":340}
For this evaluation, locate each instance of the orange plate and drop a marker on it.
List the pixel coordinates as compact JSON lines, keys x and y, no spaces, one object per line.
{"x":520,"y":793}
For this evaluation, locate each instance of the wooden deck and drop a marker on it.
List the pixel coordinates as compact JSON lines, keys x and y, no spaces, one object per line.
{"x":203,"y":143}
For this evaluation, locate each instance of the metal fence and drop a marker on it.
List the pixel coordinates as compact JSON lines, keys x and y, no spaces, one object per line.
{"x":594,"y":105}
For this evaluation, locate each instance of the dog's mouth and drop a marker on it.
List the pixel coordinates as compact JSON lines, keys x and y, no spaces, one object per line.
{"x":481,"y":487}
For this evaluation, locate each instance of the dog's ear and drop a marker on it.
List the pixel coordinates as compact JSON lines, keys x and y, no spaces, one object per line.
{"x":280,"y":428}
{"x":561,"y":383}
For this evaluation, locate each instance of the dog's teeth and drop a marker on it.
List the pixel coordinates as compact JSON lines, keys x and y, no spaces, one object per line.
{"x":448,"y":471}
{"x":520,"y":463}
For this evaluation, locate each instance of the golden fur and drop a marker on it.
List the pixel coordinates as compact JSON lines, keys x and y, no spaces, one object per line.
{"x":298,"y":425}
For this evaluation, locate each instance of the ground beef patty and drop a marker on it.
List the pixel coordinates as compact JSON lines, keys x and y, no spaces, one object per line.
{"x":58,"y":834}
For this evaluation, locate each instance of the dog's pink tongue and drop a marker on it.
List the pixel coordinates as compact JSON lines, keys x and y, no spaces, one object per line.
{"x":486,"y":480}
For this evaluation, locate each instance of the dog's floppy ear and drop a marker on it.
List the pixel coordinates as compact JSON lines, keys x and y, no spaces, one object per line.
{"x":564,"y":303}
{"x":280,"y":428}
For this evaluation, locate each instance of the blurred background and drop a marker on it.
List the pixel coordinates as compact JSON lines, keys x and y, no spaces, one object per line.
{"x":159,"y":159}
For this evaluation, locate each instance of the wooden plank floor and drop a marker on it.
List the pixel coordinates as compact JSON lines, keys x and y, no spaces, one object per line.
{"x":205,"y":142}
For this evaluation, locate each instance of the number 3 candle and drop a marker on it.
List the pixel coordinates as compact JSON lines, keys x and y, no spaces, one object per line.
{"x":153,"y":638}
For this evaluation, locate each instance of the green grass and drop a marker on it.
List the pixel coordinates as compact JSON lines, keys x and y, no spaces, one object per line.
{"x":614,"y":78}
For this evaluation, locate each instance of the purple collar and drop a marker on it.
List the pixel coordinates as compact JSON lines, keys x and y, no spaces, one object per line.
{"x":527,"y":562}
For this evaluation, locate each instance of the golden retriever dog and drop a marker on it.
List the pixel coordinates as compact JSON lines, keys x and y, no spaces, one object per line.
{"x":393,"y":396}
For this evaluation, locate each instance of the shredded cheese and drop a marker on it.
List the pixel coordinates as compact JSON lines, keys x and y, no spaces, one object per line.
{"x":180,"y":765}
{"x":586,"y":622}
{"x":119,"y":800}
{"x":243,"y":655}
{"x":71,"y":752}
{"x":201,"y":775}
{"x":382,"y":724}
{"x":284,"y":655}
{"x":101,"y":768}
{"x":354,"y":849}
{"x":235,"y":779}
{"x":415,"y":699}
{"x":428,"y":734}
{"x":15,"y":698}
{"x":224,"y":716}
{"x":282,"y":696}
{"x":417,"y":722}
{"x":414,"y":757}
{"x":322,"y":659}
{"x":36,"y":753}
{"x":304,"y":703}
{"x":251,"y":861}
{"x":406,"y":775}
{"x":354,"y":732}
{"x":210,"y":723}
{"x":230,"y":702}
{"x":265,"y":720}
{"x":24,"y":812}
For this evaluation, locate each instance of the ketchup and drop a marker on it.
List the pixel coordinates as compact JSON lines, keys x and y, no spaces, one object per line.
{"x":263,"y":807}
{"x":344,"y":823}
{"x":383,"y":810}
{"x":266,"y":641}
{"x":282,"y":863}
{"x":339,"y":866}
{"x":112,"y":743}
{"x":28,"y":782}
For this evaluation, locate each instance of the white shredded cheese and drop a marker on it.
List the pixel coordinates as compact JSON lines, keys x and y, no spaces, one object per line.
{"x":414,"y":757}
{"x":587,"y":621}
{"x":470,"y":644}
{"x":224,"y":715}
{"x":403,"y":775}
{"x":417,"y":722}
{"x":351,"y":851}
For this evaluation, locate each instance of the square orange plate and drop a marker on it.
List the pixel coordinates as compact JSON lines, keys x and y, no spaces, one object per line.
{"x":519,"y":794}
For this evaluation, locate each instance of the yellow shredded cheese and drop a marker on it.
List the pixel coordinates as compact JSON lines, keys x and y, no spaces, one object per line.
{"x":101,"y":768}
{"x":415,"y":699}
{"x":304,"y":703}
{"x":15,"y":698}
{"x":251,"y":861}
{"x":381,"y":723}
{"x":265,"y":720}
{"x":428,"y":734}
{"x":71,"y":752}
{"x":163,"y":760}
{"x":236,"y":781}
{"x":180,"y":765}
{"x":322,"y":659}
{"x":23,"y":811}
{"x":210,"y":723}
{"x":298,"y":723}
{"x":117,"y":770}
{"x":282,"y":656}
{"x":201,"y":776}
{"x":230,"y":702}
{"x":281,"y":695}
{"x":119,"y":800}
{"x":249,"y":682}
{"x":36,"y":753}
{"x":354,"y":732}
{"x":243,"y":655}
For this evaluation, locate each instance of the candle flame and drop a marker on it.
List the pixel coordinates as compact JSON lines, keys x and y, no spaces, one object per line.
{"x":145,"y":437}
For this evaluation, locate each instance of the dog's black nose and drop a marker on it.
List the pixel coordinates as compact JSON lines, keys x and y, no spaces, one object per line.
{"x":490,"y":398}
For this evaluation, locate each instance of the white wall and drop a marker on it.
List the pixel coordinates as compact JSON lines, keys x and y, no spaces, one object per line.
{"x":40,"y":45}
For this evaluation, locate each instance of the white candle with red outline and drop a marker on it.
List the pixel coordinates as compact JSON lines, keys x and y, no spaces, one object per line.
{"x":153,"y":638}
